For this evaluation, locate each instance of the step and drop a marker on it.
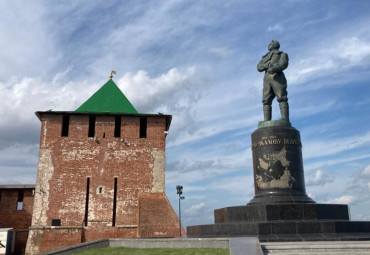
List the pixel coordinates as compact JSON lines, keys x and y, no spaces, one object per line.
{"x":313,"y":248}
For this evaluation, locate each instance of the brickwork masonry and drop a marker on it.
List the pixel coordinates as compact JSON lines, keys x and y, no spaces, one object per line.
{"x":114,"y":184}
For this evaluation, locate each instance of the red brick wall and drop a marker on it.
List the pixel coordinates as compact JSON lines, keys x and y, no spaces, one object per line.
{"x":10,"y":217}
{"x":43,"y":240}
{"x":19,"y":220}
{"x":55,"y":239}
{"x":66,"y":162}
{"x":157,"y":218}
{"x":100,"y":231}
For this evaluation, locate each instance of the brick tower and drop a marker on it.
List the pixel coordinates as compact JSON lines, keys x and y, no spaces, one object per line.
{"x":101,"y":174}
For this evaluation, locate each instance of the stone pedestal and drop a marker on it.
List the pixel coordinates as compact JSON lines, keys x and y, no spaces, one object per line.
{"x":277,"y":166}
{"x":281,"y":209}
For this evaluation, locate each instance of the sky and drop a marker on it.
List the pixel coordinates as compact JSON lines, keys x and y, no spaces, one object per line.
{"x":196,"y":60}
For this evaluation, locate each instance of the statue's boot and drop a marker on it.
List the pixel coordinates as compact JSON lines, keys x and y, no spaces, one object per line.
{"x":284,"y":110}
{"x":267,"y":112}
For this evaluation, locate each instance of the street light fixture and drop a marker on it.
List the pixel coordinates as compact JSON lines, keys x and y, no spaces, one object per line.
{"x":179,"y":192}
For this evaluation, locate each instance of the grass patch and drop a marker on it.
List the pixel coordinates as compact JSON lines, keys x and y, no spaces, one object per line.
{"x":154,"y":251}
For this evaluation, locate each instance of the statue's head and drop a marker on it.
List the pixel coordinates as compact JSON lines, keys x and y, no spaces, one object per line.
{"x":274,"y":45}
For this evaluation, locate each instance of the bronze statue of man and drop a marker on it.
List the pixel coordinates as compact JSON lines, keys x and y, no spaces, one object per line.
{"x":274,"y":82}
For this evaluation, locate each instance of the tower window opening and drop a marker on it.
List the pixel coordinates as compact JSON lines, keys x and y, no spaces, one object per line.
{"x":20,"y":200}
{"x":114,"y":203}
{"x":56,"y":222}
{"x":100,"y":190}
{"x":91,"y":126}
{"x":117,"y":126}
{"x":87,"y":200}
{"x":143,"y":127}
{"x":65,"y":125}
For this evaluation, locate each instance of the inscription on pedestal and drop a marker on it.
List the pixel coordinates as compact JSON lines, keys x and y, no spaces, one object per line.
{"x":273,"y":167}
{"x":273,"y":140}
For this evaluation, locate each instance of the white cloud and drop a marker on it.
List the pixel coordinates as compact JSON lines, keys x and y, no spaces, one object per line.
{"x":173,"y":92}
{"x":240,"y":185}
{"x":346,"y":199}
{"x":19,"y":154}
{"x":17,"y":175}
{"x":335,"y":55}
{"x":313,"y":149}
{"x":336,"y":161}
{"x":220,"y":51}
{"x":192,"y":188}
{"x":352,"y":50}
{"x":28,"y":47}
{"x":201,"y":169}
{"x":311,"y":195}
{"x":275,"y":27}
{"x":361,"y":217}
{"x":194,"y":209}
{"x":320,"y":178}
{"x":21,"y":98}
{"x":314,"y":109}
{"x":366,"y":171}
{"x":158,"y":93}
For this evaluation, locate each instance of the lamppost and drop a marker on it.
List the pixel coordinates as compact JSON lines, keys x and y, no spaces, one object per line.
{"x":179,"y":191}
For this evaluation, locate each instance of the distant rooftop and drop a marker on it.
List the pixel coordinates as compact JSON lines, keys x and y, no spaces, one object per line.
{"x":17,"y":186}
{"x":108,"y":99}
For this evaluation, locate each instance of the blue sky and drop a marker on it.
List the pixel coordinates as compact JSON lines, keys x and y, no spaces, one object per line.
{"x":197,"y":61}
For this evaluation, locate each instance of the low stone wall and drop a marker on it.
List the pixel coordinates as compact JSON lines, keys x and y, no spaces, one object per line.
{"x":171,"y":243}
{"x":80,"y":247}
{"x":43,"y":239}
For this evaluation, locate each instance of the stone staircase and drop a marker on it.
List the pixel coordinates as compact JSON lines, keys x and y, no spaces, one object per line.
{"x":317,"y":248}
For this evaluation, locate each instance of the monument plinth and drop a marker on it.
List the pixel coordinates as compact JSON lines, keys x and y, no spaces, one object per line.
{"x":278,"y":166}
{"x":280,"y":209}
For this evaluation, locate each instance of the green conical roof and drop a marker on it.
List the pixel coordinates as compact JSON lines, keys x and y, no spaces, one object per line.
{"x":108,"y":98}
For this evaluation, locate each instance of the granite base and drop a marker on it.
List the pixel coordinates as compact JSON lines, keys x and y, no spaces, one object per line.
{"x":280,"y":212}
{"x":293,"y":228}
{"x":289,"y":222}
